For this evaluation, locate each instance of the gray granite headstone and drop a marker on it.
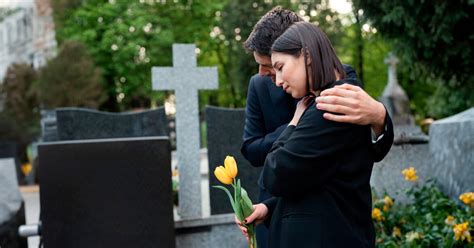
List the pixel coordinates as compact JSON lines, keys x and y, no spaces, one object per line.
{"x":394,"y":97}
{"x":10,"y":197}
{"x":49,"y":130}
{"x":12,"y":212}
{"x":452,"y":150}
{"x":80,"y":124}
{"x":186,"y":79}
{"x":106,"y":193}
{"x":224,"y":137}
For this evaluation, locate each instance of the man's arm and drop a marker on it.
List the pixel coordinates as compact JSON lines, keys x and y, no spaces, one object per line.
{"x":307,"y":156}
{"x":256,"y":143}
{"x":353,"y":105}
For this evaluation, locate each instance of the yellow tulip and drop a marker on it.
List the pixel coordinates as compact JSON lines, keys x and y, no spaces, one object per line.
{"x":221,"y":175}
{"x":230,"y":166}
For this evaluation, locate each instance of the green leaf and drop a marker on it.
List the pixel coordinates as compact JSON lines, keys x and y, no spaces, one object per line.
{"x":247,"y":206}
{"x":234,"y":206}
{"x":237,"y":201}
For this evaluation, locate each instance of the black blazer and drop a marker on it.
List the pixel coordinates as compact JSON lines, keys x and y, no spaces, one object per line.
{"x":319,"y":173}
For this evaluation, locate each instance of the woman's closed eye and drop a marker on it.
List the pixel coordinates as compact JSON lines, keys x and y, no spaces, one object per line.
{"x":279,"y":67}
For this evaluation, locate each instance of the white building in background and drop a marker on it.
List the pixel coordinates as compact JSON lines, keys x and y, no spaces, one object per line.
{"x":26,"y":34}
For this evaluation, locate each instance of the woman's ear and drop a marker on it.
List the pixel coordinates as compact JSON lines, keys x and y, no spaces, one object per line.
{"x":307,"y":56}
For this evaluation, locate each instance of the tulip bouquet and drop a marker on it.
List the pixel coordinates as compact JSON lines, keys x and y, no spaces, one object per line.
{"x":241,"y":203}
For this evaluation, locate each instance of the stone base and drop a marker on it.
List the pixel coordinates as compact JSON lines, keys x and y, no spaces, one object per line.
{"x":387,"y":175}
{"x":9,"y":237}
{"x":214,"y":231}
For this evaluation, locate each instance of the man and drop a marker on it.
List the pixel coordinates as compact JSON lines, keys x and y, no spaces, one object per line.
{"x":269,"y":109}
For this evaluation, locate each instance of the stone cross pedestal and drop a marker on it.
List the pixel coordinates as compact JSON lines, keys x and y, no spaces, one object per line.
{"x":394,"y":97}
{"x":186,"y":79}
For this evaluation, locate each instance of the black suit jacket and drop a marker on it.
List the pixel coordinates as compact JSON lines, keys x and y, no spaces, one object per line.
{"x":319,"y":173}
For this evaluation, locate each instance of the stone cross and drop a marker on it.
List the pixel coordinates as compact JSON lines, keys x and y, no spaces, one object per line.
{"x":392,"y":62}
{"x":186,"y":79}
{"x":394,"y":97}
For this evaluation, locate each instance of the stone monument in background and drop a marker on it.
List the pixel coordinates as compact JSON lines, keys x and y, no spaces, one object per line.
{"x":193,"y":229}
{"x":452,"y":150}
{"x":394,"y":97}
{"x":186,"y":79}
{"x":410,"y":147}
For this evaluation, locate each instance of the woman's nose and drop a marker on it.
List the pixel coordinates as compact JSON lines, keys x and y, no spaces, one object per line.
{"x":278,"y":80}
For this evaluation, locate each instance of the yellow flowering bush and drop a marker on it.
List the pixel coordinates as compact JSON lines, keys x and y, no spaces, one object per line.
{"x":377,"y":214}
{"x":461,"y":232}
{"x":388,"y":202}
{"x":449,"y":220}
{"x":430,"y":219}
{"x":467,"y":198}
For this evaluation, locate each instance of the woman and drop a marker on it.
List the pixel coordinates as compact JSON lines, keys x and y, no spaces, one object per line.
{"x":317,"y":170}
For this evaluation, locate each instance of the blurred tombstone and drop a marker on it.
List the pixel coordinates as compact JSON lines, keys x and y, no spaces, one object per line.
{"x":394,"y":97}
{"x":49,"y":130}
{"x":224,"y":137}
{"x":410,"y":146}
{"x":106,"y":193}
{"x":452,"y":153}
{"x":81,"y":124}
{"x":12,"y":210}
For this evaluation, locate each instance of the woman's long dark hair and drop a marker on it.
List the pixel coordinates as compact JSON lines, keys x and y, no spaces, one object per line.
{"x":309,"y":39}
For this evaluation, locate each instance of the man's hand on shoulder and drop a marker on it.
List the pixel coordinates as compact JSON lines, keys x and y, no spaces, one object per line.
{"x":351,"y":104}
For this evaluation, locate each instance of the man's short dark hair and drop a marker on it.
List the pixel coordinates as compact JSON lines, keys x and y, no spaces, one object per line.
{"x":268,"y":29}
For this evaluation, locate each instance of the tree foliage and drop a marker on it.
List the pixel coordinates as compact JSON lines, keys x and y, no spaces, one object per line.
{"x":127,"y":38}
{"x":434,"y":42}
{"x":20,"y":117}
{"x":70,"y":79}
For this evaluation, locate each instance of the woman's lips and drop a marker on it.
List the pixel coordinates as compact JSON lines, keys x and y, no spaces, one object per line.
{"x":285,"y":88}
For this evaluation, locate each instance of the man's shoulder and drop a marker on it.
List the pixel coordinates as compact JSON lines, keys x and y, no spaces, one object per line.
{"x":258,"y":79}
{"x":260,"y":83}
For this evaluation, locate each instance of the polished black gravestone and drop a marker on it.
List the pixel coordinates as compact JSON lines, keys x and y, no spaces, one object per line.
{"x":224,"y":137}
{"x":80,"y":124}
{"x":106,"y":193}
